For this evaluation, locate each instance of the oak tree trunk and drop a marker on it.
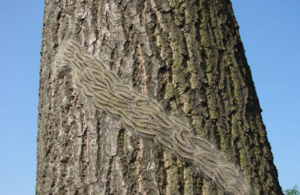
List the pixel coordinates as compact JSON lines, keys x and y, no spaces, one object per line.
{"x":186,"y":55}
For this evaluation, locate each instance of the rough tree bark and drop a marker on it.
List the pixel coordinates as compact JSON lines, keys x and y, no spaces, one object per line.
{"x":185,"y":54}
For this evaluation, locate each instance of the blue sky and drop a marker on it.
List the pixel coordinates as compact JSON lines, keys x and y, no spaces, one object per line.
{"x":269,"y":31}
{"x":270,"y":34}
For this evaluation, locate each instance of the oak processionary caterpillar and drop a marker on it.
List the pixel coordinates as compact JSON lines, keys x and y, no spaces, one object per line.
{"x":147,"y":119}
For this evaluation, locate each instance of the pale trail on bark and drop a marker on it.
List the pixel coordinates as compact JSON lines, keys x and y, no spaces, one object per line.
{"x":146,"y":118}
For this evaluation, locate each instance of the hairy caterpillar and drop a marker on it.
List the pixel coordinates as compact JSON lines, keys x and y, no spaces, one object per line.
{"x":147,"y":119}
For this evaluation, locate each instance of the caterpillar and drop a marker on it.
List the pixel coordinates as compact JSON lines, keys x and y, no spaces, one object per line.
{"x":147,"y":119}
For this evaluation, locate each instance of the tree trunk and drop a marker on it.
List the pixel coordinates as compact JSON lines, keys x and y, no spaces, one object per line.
{"x":184,"y":56}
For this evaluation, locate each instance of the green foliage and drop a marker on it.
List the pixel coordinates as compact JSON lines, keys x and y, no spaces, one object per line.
{"x":293,"y":191}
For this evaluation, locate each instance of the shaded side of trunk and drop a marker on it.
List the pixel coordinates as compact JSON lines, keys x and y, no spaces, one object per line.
{"x":188,"y":56}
